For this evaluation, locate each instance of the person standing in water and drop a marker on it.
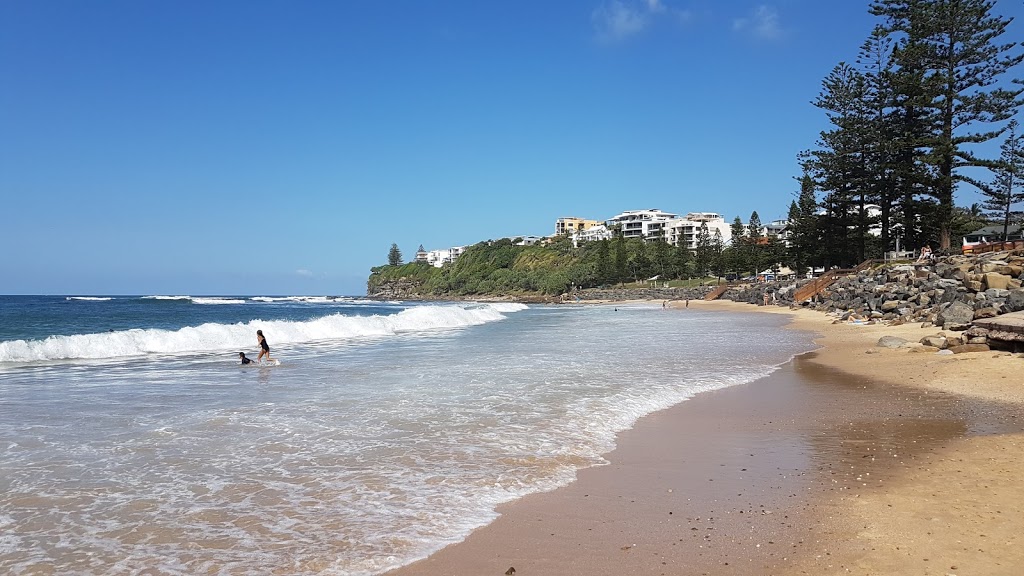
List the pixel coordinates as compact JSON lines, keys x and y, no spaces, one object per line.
{"x":264,"y":347}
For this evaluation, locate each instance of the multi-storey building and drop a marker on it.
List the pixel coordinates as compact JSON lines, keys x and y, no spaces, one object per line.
{"x":438,"y":258}
{"x":571,"y":225}
{"x":685,"y":231}
{"x":599,"y":232}
{"x":421,"y":254}
{"x":643,"y":224}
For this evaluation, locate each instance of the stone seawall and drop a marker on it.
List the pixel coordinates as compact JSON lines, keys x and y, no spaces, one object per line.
{"x":950,"y":293}
{"x":622,"y":294}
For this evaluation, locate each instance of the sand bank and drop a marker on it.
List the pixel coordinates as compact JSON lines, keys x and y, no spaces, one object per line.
{"x":851,"y":459}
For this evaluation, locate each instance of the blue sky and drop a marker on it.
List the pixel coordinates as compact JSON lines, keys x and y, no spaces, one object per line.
{"x":258,"y":147}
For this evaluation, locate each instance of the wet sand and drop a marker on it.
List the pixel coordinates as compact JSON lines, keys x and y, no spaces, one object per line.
{"x":827,"y":466}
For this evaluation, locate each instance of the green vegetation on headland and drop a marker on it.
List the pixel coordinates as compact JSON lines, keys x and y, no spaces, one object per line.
{"x":502,"y":268}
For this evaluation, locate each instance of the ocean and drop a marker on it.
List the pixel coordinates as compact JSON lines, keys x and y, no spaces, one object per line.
{"x":132,"y":439}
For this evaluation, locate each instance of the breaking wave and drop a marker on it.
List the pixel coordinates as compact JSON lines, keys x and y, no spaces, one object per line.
{"x":214,"y":337}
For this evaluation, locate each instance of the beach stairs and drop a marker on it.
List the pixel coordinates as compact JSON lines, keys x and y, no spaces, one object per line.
{"x":819,"y":284}
{"x":717,"y":292}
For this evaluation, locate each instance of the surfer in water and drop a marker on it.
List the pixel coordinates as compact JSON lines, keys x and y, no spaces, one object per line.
{"x":264,"y":347}
{"x":244,"y":359}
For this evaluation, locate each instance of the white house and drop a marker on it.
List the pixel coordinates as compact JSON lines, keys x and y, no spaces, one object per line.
{"x":643,"y":224}
{"x":684,"y":231}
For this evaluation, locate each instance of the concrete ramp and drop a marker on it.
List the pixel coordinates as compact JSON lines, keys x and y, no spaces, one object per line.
{"x":1008,"y":327}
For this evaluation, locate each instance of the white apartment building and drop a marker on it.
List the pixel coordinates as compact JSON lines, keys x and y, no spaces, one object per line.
{"x":684,"y":231}
{"x":643,"y":224}
{"x":438,"y":258}
{"x":599,"y":232}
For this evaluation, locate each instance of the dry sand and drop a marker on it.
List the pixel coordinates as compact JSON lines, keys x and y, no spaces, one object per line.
{"x":853,"y":459}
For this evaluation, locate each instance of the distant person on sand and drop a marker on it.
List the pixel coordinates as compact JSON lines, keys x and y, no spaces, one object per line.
{"x":244,"y":359}
{"x":264,"y":347}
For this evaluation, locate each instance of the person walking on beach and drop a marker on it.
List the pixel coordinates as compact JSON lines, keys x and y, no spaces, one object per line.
{"x":264,"y":347}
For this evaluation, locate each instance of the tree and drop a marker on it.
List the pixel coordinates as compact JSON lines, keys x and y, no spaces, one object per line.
{"x":681,"y":261}
{"x":605,"y":269}
{"x":394,"y":256}
{"x":1005,"y":190}
{"x":754,"y":236}
{"x":967,"y":220}
{"x":660,"y":255}
{"x":802,"y":226}
{"x":840,"y":165}
{"x":953,"y":44}
{"x":702,"y":257}
{"x":719,"y":261}
{"x":620,"y":259}
{"x":637,"y":262}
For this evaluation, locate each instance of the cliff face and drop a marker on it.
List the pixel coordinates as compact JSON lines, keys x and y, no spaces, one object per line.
{"x":399,"y":289}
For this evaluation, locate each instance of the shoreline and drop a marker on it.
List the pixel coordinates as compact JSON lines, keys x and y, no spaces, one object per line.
{"x":905,"y":463}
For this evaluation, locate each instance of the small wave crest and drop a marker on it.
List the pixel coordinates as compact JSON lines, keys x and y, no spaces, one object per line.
{"x":218,"y":301}
{"x":214,"y":337}
{"x":307,"y":299}
{"x":89,"y":298}
{"x":166,"y":297}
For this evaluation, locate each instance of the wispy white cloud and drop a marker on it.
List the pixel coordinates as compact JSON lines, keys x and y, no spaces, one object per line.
{"x":304,"y":272}
{"x":762,"y":23}
{"x":616,"y":20}
{"x":655,"y":6}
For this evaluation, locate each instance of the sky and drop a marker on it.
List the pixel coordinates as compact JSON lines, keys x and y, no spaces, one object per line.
{"x":271,"y":147}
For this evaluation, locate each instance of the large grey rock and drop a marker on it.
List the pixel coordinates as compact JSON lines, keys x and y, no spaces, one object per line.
{"x":1015,"y":300}
{"x":936,"y":341}
{"x":986,"y":312}
{"x":891,"y":342}
{"x":955,"y":315}
{"x":890,"y":305}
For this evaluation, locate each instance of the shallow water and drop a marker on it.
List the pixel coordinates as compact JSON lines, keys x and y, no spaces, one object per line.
{"x":387,"y":432}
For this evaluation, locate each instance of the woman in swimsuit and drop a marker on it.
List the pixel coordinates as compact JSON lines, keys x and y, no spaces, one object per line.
{"x":264,"y":347}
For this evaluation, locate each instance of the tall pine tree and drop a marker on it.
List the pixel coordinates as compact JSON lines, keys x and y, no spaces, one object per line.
{"x":956,"y":45}
{"x":1006,"y":190}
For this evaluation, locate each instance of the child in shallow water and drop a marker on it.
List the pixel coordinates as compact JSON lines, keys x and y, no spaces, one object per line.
{"x":264,"y":347}
{"x":244,"y":359}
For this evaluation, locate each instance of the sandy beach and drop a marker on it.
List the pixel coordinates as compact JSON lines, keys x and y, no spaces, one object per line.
{"x":852,"y":459}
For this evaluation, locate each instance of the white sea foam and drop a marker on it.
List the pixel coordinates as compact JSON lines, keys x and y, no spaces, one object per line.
{"x":306,"y":299}
{"x":212,"y":337}
{"x":89,"y":298}
{"x":166,"y":297}
{"x":217,"y":301}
